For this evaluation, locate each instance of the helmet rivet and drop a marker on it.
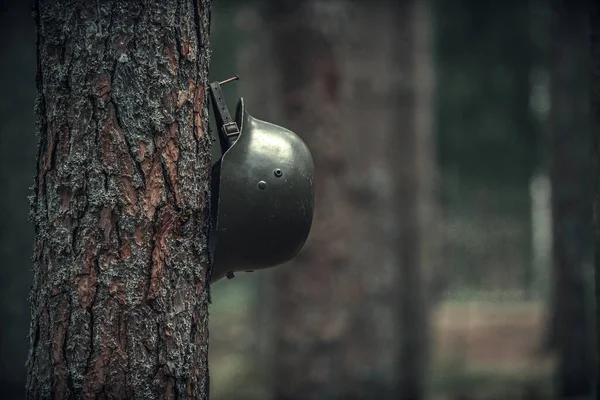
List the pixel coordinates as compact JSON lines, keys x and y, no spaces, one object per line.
{"x":262,"y":184}
{"x":278,"y":173}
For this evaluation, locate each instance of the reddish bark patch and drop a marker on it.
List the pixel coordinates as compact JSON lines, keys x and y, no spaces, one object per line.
{"x":109,"y":158}
{"x":125,"y":251}
{"x":198,"y":95}
{"x":104,"y":222}
{"x":65,"y":199}
{"x":107,"y":223}
{"x":85,"y":281}
{"x":117,"y":160}
{"x":117,"y":289}
{"x":185,"y":46}
{"x":60,"y":368}
{"x":142,"y":150}
{"x":171,"y":55}
{"x":86,"y":288}
{"x":166,"y":384}
{"x":95,"y":379}
{"x":154,"y":185}
{"x":89,"y":254}
{"x":129,"y":195}
{"x":192,"y":86}
{"x":164,"y":230}
{"x":103,"y":87}
{"x":198,"y":131}
{"x":109,"y":360}
{"x":139,"y":235}
{"x":117,"y":145}
{"x":170,"y":392}
{"x":171,"y":156}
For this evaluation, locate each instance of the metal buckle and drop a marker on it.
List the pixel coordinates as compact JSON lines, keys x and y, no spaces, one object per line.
{"x":230,"y":129}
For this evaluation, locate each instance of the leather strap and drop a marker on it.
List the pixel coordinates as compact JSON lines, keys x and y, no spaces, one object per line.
{"x":229,"y":130}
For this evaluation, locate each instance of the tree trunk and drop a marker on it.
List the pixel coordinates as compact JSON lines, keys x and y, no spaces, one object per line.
{"x":120,"y":290}
{"x":571,"y":198}
{"x":341,"y":328}
{"x":595,"y":130}
{"x":258,"y":67}
{"x":412,"y":156}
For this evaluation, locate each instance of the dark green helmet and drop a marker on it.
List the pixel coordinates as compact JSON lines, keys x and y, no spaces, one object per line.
{"x":262,"y":194}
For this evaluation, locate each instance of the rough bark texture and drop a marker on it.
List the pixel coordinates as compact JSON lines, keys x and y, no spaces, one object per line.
{"x":345,"y":326}
{"x":119,"y":297}
{"x":571,"y":198}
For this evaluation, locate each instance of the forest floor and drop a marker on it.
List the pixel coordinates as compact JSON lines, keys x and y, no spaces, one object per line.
{"x":482,"y":350}
{"x":490,"y":350}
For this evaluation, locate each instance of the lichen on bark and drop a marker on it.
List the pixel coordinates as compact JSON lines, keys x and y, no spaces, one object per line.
{"x":120,"y":202}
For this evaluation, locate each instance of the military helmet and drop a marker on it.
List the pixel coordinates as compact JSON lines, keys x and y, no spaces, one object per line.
{"x":262,"y":193}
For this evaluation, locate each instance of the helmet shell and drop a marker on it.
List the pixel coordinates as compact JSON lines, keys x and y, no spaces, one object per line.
{"x":263,"y":198}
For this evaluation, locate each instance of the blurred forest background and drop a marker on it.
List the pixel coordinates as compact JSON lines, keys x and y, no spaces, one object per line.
{"x":451,"y":252}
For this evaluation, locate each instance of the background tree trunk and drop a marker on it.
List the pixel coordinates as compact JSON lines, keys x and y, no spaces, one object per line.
{"x":594,"y":21}
{"x":345,"y":326}
{"x":120,"y":291}
{"x":412,"y":157}
{"x":571,"y":196}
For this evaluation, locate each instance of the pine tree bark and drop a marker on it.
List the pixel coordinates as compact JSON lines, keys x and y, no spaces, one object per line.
{"x":120,"y":290}
{"x":571,"y":197}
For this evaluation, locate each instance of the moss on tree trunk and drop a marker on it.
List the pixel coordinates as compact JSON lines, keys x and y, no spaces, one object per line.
{"x":120,"y":291}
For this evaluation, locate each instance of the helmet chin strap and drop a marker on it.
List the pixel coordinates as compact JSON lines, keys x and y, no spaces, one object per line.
{"x":228,"y":134}
{"x":228,"y":128}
